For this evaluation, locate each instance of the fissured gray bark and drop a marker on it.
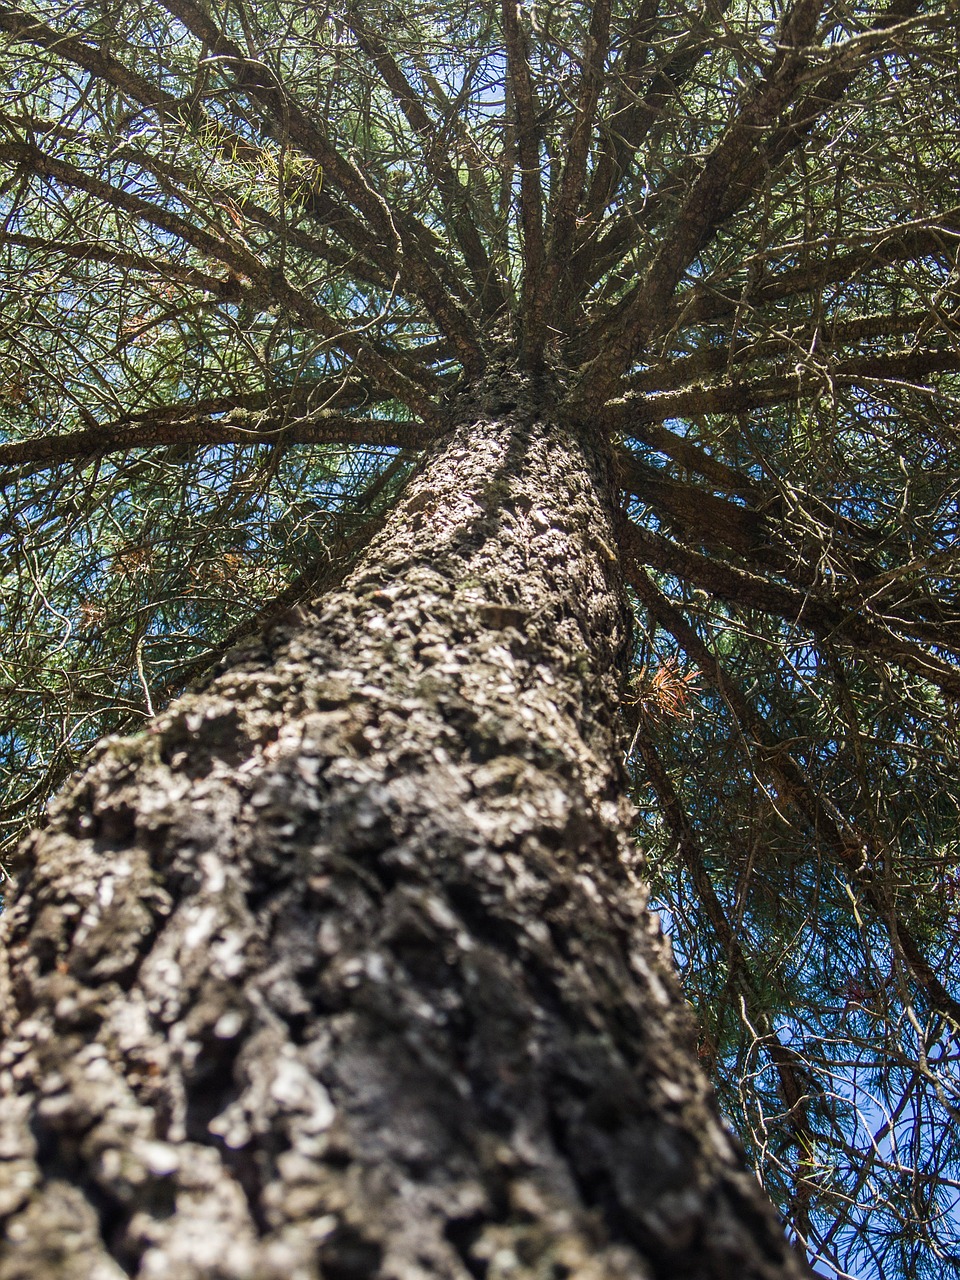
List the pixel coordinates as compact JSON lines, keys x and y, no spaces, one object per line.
{"x":342,"y":970}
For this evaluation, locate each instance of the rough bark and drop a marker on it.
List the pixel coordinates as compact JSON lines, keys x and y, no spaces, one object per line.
{"x":342,"y":968}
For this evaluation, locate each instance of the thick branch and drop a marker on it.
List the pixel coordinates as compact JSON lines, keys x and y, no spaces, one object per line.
{"x":239,"y":427}
{"x":766,"y":538}
{"x":531,"y":190}
{"x":741,"y":397}
{"x":817,"y":341}
{"x":729,"y":175}
{"x":712,"y":520}
{"x":621,"y":332}
{"x":691,"y":457}
{"x":573,"y":176}
{"x":827,"y":93}
{"x":226,"y":287}
{"x":706,"y":302}
{"x":845,"y":842}
{"x":633,"y":117}
{"x":827,"y":619}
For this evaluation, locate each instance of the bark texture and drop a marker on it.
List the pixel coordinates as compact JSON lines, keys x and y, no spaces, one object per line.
{"x":341,"y":970}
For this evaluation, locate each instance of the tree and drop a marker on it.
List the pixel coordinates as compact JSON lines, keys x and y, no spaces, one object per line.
{"x":470,"y":400}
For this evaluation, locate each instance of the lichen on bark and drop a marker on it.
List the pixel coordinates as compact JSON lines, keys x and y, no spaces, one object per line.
{"x":343,"y":969}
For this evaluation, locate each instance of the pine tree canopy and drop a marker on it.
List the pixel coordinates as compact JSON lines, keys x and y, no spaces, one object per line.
{"x":251,"y":253}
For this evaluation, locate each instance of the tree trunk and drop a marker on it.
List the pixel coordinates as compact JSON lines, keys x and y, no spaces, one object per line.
{"x":341,"y":969}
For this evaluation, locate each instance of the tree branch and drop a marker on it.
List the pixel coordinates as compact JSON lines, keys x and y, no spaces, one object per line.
{"x":640,"y":113}
{"x":692,"y":457}
{"x":787,"y":1062}
{"x":846,"y":843}
{"x":613,"y":341}
{"x":238,"y":427}
{"x":531,"y":190}
{"x":573,"y":176}
{"x":822,"y":337}
{"x":827,"y":619}
{"x":705,"y":303}
{"x":712,"y":520}
{"x":638,"y":409}
{"x":226,"y":287}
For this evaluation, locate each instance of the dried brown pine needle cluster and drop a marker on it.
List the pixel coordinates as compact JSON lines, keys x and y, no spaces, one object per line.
{"x":664,"y":691}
